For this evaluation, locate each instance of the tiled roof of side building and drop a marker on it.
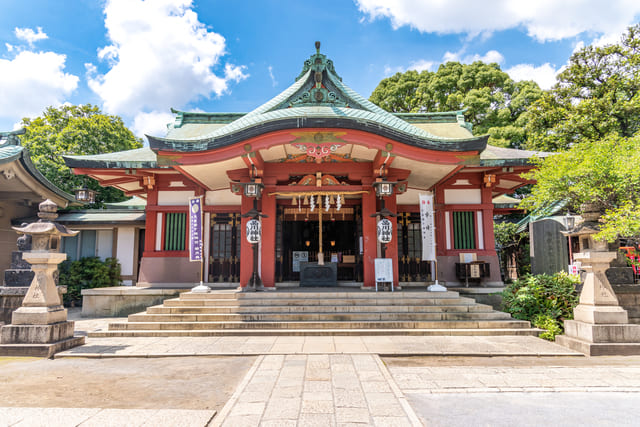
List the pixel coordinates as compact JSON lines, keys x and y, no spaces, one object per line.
{"x":500,"y":156}
{"x":12,"y":151}
{"x":139,"y":158}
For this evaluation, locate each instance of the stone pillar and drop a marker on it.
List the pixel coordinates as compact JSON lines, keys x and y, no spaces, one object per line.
{"x":40,"y":327}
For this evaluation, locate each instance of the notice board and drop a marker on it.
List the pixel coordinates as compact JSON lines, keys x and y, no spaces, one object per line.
{"x":383,"y":270}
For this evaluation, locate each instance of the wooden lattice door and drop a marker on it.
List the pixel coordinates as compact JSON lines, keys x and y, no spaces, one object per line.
{"x":224,"y":250}
{"x":411,"y":268}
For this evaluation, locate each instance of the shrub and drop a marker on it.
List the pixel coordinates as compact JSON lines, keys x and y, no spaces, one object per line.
{"x":88,"y":273}
{"x":543,"y":300}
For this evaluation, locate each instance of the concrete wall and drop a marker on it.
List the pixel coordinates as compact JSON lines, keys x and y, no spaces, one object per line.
{"x":122,"y":300}
{"x":168,"y":271}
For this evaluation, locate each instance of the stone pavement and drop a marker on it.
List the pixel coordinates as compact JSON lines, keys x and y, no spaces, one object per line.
{"x":317,"y":390}
{"x":380,"y":345}
{"x":336,"y":380}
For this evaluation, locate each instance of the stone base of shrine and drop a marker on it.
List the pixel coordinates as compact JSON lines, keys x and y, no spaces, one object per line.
{"x":600,"y":315}
{"x":38,"y":340}
{"x":601,"y":339}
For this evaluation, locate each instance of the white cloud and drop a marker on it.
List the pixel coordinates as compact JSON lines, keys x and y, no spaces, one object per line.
{"x":32,"y":81}
{"x":544,"y":75}
{"x":543,"y":20}
{"x":30,"y":36}
{"x":391,"y":70}
{"x":421,"y":65}
{"x":153,"y":123}
{"x":274,"y":82}
{"x":160,"y":56}
{"x":460,"y":56}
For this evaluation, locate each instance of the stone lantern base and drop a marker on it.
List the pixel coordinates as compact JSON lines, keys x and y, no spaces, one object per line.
{"x":40,"y":327}
{"x":38,"y":340}
{"x":600,"y":326}
{"x":601,"y":339}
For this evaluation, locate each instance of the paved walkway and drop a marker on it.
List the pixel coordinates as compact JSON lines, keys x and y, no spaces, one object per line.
{"x":380,"y":345}
{"x":338,"y":380}
{"x":317,"y":390}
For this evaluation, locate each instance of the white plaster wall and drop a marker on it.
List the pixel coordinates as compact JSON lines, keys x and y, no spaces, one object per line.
{"x":480,"y":226}
{"x":222,"y":197}
{"x":463,"y":197}
{"x":104,"y":244}
{"x":159,"y":231}
{"x":174,"y":198}
{"x":124,"y":250}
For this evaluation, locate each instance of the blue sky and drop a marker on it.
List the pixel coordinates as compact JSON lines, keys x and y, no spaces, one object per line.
{"x":139,"y":58}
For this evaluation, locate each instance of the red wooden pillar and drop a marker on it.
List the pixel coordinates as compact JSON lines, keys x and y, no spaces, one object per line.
{"x":392,"y":247}
{"x":268,"y":274}
{"x":487,"y":221}
{"x":246,"y":251}
{"x":150,"y":223}
{"x":369,"y":238}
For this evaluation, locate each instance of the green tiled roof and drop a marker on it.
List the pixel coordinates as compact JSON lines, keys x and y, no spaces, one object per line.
{"x":317,"y":98}
{"x":102,"y":217}
{"x":12,"y":151}
{"x":500,"y":156}
{"x":10,"y":148}
{"x":139,"y":158}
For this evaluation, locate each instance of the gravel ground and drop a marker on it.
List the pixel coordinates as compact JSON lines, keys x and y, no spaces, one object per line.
{"x":135,"y":383}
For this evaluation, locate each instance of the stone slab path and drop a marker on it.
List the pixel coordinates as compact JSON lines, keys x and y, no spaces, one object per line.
{"x":380,"y":345}
{"x":317,"y":390}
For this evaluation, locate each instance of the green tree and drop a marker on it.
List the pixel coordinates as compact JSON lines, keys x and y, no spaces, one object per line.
{"x":598,"y":94}
{"x":75,"y":130}
{"x":603,"y":172}
{"x":513,"y":247}
{"x":492,"y":101}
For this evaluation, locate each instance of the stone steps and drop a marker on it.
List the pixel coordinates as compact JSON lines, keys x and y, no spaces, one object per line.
{"x":435,"y":324}
{"x":316,"y":332}
{"x":319,"y":312}
{"x":315,"y":317}
{"x":319,"y":301}
{"x":250,"y":309}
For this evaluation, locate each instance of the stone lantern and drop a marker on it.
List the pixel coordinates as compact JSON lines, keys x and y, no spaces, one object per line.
{"x":40,"y":326}
{"x":600,"y":326}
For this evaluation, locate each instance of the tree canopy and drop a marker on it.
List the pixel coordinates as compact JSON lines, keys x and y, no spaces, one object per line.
{"x":602,"y":172}
{"x":598,"y":94}
{"x":75,"y":130}
{"x":492,"y":101}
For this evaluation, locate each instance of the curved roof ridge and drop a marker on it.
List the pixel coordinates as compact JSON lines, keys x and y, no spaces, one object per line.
{"x":317,"y":98}
{"x":281,"y":97}
{"x":374,"y":108}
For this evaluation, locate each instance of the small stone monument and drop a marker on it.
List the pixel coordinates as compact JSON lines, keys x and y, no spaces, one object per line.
{"x":40,"y":327}
{"x":19,"y":273}
{"x":600,"y":326}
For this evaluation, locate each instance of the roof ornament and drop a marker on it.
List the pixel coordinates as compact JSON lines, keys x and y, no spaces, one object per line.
{"x":11,"y":137}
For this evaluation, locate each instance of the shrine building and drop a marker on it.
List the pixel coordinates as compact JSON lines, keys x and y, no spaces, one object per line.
{"x":326,"y":165}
